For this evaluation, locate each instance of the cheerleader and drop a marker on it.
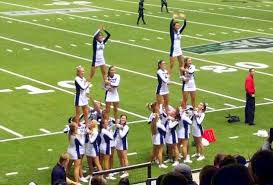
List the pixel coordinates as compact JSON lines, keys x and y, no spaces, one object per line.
{"x":92,"y":147}
{"x":98,"y":56}
{"x":171,"y":137}
{"x":74,"y":150}
{"x":122,"y":143}
{"x":197,"y":130}
{"x":162,"y":90}
{"x":183,"y":132}
{"x":81,"y":99}
{"x":175,"y":34}
{"x":188,"y":80}
{"x":111,"y":94}
{"x":105,"y":147}
{"x":158,"y":131}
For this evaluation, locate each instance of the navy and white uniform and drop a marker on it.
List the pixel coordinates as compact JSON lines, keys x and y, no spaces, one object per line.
{"x":106,"y":137}
{"x":188,"y":80}
{"x":184,"y":127}
{"x":82,"y":137}
{"x":197,"y":129}
{"x":121,"y":138}
{"x":171,"y":135}
{"x":163,"y":80}
{"x":176,"y":39}
{"x":82,"y":88}
{"x":111,"y":94}
{"x":92,"y":147}
{"x":74,"y":147}
{"x":98,"y":47}
{"x":159,"y":137}
{"x":95,"y":115}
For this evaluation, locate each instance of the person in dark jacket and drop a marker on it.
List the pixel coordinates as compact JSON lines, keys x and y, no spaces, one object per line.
{"x":141,"y":12}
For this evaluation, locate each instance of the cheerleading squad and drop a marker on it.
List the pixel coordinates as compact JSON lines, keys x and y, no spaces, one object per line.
{"x":94,"y":134}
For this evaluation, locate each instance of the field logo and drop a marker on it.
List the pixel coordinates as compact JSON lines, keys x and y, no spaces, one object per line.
{"x":235,"y":46}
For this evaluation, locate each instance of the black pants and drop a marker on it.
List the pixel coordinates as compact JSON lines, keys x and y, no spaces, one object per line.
{"x":249,"y":109}
{"x":141,"y":15}
{"x":164,"y":4}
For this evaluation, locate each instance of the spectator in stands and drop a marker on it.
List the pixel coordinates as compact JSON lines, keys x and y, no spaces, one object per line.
{"x":58,"y":174}
{"x":124,"y":181}
{"x":228,"y":160}
{"x":159,"y":179}
{"x":98,"y":180}
{"x":186,"y":171}
{"x":218,"y":158}
{"x":268,"y":143}
{"x":233,"y":174}
{"x":206,"y":174}
{"x":241,"y":160}
{"x":174,"y":178}
{"x":261,"y":167}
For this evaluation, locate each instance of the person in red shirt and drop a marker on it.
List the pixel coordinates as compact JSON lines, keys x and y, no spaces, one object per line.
{"x":250,"y":97}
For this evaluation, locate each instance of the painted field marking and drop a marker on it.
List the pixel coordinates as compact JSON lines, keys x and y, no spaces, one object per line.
{"x":133,"y":153}
{"x":11,"y":173}
{"x":105,"y":16}
{"x":43,"y":168}
{"x":72,"y":18}
{"x":47,"y":19}
{"x":44,"y":130}
{"x":34,"y":20}
{"x":94,"y":16}
{"x":26,"y":49}
{"x":117,"y":15}
{"x":199,"y":35}
{"x":9,"y":50}
{"x":5,"y":90}
{"x":73,"y":45}
{"x":268,"y":99}
{"x":212,"y":34}
{"x":234,"y":137}
{"x":57,"y":46}
{"x":131,"y":40}
{"x":224,"y":32}
{"x":210,"y":108}
{"x":60,"y":89}
{"x":49,"y":150}
{"x":146,"y":39}
{"x":127,"y":70}
{"x":60,"y":19}
{"x":159,"y":38}
{"x":138,"y":121}
{"x":11,"y":131}
{"x":9,"y":22}
{"x":89,"y":44}
{"x":230,"y":105}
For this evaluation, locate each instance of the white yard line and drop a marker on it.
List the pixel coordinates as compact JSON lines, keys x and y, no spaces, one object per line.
{"x":5,"y":90}
{"x":43,"y":168}
{"x":44,"y":130}
{"x":215,"y":4}
{"x":229,"y":105}
{"x":11,"y":173}
{"x":133,"y":153}
{"x":138,"y":121}
{"x":268,"y":99}
{"x":11,"y":131}
{"x":127,"y":70}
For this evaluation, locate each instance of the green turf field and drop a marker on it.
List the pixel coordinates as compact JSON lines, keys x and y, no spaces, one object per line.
{"x":39,"y":49}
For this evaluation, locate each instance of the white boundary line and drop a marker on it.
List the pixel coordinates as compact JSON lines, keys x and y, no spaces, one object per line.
{"x":134,"y":72}
{"x":229,"y":105}
{"x":138,"y":121}
{"x":60,"y":89}
{"x":43,"y":168}
{"x":214,"y":4}
{"x":11,"y":173}
{"x":267,"y":99}
{"x":11,"y":131}
{"x":44,"y":130}
{"x":133,"y":153}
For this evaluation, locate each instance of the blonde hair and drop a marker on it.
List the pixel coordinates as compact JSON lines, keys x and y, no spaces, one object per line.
{"x":63,"y":157}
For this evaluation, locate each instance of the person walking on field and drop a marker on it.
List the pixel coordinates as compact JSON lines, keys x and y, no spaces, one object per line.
{"x":250,"y":97}
{"x":141,"y":12}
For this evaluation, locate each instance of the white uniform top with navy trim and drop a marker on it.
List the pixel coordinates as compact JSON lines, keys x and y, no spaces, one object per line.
{"x":106,"y":137}
{"x":171,"y":135}
{"x":98,"y":47}
{"x":81,"y":86}
{"x":197,"y":129}
{"x":159,"y":137}
{"x":121,"y":138}
{"x":92,"y":147}
{"x":188,"y":79}
{"x":95,"y":115}
{"x":74,"y":147}
{"x":111,"y":94}
{"x":176,"y":39}
{"x":184,"y":127}
{"x":163,"y":80}
{"x":82,"y":136}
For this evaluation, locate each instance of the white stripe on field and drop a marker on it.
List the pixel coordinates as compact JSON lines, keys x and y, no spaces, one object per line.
{"x":229,"y":105}
{"x":267,"y":99}
{"x":234,"y":137}
{"x":139,"y":121}
{"x":11,"y":173}
{"x":43,"y":168}
{"x":11,"y":131}
{"x":133,"y":153}
{"x":44,"y":130}
{"x":5,"y":90}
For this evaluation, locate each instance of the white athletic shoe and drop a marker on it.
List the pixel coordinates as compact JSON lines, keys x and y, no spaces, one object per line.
{"x":187,"y":161}
{"x":82,"y":179}
{"x":126,"y":174}
{"x":88,"y":177}
{"x":162,"y":166}
{"x":175,"y":163}
{"x":110,"y":177}
{"x":195,"y":155}
{"x":200,"y":158}
{"x":168,"y":161}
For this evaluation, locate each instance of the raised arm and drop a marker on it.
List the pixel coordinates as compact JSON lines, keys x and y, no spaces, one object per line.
{"x":107,"y":37}
{"x":183,"y":27}
{"x":95,"y":35}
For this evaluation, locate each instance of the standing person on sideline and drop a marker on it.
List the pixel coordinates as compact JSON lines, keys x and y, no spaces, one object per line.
{"x":197,"y":130}
{"x":81,"y":99}
{"x":111,"y":94}
{"x":250,"y":97}
{"x":188,"y":86}
{"x":58,"y":174}
{"x":98,"y":56}
{"x":162,"y":90}
{"x":141,"y":11}
{"x":175,"y":34}
{"x":122,"y":143}
{"x":164,"y":3}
